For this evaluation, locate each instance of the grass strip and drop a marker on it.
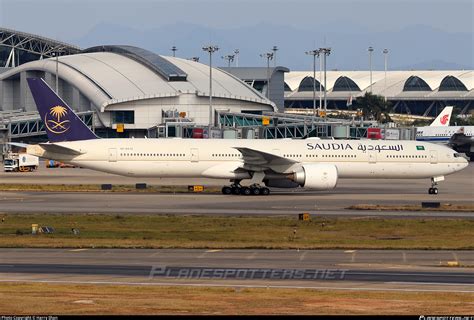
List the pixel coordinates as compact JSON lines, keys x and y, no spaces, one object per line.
{"x":217,"y":232}
{"x":97,"y":188}
{"x":43,"y":298}
{"x":442,"y":207}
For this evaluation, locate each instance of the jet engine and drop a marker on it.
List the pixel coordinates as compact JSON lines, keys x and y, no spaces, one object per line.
{"x":316,"y":176}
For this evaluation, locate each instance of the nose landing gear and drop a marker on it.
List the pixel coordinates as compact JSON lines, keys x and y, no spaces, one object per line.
{"x":433,"y":190}
{"x":434,"y":183}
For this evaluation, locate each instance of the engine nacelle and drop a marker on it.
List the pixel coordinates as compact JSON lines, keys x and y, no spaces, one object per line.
{"x":281,"y":183}
{"x":316,"y":176}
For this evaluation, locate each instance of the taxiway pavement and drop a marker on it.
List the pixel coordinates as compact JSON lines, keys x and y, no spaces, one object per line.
{"x":337,"y":269}
{"x":457,"y":189}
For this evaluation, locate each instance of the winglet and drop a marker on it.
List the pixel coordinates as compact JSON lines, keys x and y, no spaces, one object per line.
{"x":60,"y":122}
{"x":442,"y":120}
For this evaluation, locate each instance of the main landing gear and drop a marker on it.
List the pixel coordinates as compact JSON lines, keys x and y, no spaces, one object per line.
{"x":433,"y":189}
{"x":254,"y":189}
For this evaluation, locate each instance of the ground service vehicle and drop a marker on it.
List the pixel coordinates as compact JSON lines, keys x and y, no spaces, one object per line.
{"x":22,"y":162}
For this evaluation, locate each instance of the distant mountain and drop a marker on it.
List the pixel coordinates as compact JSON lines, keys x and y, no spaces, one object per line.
{"x":413,"y":47}
{"x":435,"y":65}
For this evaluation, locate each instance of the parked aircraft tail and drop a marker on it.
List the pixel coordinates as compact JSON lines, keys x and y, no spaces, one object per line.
{"x":442,"y":120}
{"x":60,"y":122}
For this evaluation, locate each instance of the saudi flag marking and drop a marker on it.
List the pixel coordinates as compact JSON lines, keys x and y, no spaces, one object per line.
{"x":420,"y":148}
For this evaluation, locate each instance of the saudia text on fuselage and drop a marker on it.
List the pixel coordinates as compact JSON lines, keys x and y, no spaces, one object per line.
{"x":347,"y":146}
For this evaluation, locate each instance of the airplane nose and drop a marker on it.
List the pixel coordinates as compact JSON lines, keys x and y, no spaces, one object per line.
{"x":464,"y":163}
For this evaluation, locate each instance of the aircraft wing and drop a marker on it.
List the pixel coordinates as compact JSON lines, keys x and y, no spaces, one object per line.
{"x":256,"y":158}
{"x":55,"y":148}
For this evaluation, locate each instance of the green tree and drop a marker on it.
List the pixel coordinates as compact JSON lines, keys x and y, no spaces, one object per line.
{"x":461,"y":121}
{"x":374,"y":107}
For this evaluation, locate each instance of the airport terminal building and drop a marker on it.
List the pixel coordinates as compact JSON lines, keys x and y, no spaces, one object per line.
{"x":129,"y":87}
{"x":409,"y":92}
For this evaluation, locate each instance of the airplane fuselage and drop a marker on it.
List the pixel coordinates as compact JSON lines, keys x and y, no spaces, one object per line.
{"x":214,"y":158}
{"x":441,"y":134}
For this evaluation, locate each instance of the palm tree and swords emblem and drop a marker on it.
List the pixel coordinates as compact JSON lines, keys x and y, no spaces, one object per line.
{"x":54,"y":120}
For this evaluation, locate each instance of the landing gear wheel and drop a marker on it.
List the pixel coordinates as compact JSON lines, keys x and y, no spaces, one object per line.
{"x":255,"y":191}
{"x":435,"y":191}
{"x":226,"y":190}
{"x":236,"y":190}
{"x":265,"y":191}
{"x":245,"y":191}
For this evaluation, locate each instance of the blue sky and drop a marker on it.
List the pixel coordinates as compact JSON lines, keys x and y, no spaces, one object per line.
{"x":420,"y":27}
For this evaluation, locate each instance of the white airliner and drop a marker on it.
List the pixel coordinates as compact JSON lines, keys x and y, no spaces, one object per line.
{"x":310,"y":163}
{"x":460,"y":138}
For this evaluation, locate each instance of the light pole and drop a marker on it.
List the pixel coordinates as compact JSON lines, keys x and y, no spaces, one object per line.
{"x":385,"y":52}
{"x":229,"y":58}
{"x":174,"y":49}
{"x":56,"y":54}
{"x":314,"y":53}
{"x":274,"y":49}
{"x":236,"y":53}
{"x":211,"y":49}
{"x":325,"y":52}
{"x":320,"y":82}
{"x":268,"y":56}
{"x":370,"y":66}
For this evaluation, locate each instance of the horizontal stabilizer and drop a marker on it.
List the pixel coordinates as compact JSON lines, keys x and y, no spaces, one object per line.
{"x":55,"y":148}
{"x":18,"y":144}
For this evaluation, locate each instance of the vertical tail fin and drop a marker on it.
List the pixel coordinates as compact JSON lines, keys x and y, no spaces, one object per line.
{"x":442,"y":120}
{"x":60,"y":122}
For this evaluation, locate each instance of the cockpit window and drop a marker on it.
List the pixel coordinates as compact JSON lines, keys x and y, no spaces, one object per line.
{"x":458,"y":155}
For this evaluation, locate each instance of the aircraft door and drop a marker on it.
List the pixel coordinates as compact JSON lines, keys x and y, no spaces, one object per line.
{"x":433,"y":156}
{"x":372,"y":157}
{"x":194,"y":155}
{"x":112,"y":154}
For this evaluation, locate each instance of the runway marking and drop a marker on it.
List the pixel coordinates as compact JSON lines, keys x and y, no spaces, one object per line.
{"x":455,"y":256}
{"x":8,"y":199}
{"x":349,"y":251}
{"x":353,"y":272}
{"x":203,"y":255}
{"x":429,"y":283}
{"x":252,"y":256}
{"x":236,"y":285}
{"x":77,"y":250}
{"x":404,"y":255}
{"x":303,"y":255}
{"x":353,"y":258}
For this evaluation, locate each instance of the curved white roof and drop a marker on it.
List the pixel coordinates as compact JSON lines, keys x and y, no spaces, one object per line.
{"x":106,"y":78}
{"x":391,"y":86}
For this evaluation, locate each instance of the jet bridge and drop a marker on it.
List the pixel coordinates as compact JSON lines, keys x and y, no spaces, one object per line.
{"x":18,"y":124}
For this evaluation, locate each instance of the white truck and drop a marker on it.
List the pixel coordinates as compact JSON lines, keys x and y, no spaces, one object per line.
{"x":22,"y":162}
